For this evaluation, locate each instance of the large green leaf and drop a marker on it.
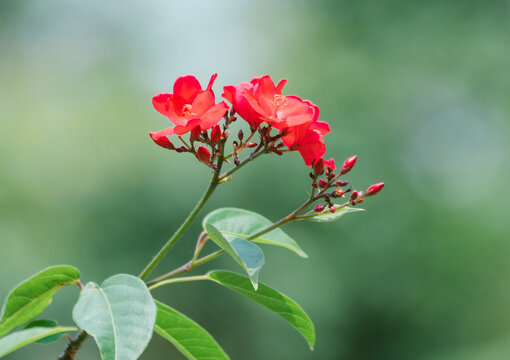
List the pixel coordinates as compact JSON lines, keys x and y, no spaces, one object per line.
{"x":243,"y":223}
{"x":193,"y":341}
{"x":24,"y":337}
{"x":120,"y":315}
{"x":247,"y":254}
{"x":269,"y":298}
{"x":329,"y":216}
{"x":31,"y":297}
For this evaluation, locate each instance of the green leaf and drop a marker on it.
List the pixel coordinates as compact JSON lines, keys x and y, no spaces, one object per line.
{"x":45,"y":324}
{"x":120,"y":315}
{"x":24,"y":337}
{"x":329,"y":216}
{"x":247,"y":254}
{"x":243,"y":223}
{"x":193,"y":341}
{"x":271,"y":299}
{"x":31,"y":297}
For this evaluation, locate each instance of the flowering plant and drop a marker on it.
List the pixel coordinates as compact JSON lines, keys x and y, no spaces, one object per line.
{"x":121,"y":313}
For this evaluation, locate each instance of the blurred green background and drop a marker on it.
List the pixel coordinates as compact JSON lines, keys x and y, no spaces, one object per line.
{"x":419,"y":90}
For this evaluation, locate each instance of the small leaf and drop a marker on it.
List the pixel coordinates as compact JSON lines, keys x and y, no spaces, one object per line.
{"x":243,"y":223}
{"x":328,"y":216}
{"x":247,"y":254}
{"x":120,"y":315}
{"x":31,"y":297}
{"x":24,"y":337}
{"x":271,"y":299}
{"x":45,"y":324}
{"x":193,"y":341}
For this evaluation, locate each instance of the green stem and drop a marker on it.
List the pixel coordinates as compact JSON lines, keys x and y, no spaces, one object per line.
{"x":178,"y":280}
{"x":244,"y":162}
{"x":184,"y":226}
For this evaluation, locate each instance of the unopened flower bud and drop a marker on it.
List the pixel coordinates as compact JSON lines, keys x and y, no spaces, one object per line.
{"x":354,"y":195}
{"x":332,"y":209}
{"x":240,"y":135}
{"x":323,"y":183}
{"x":319,"y":207}
{"x":332,"y":175}
{"x":195,"y":133}
{"x":348,"y":165}
{"x":215,"y":135}
{"x":327,"y":198}
{"x":237,"y":161}
{"x":311,"y":174}
{"x":162,"y":141}
{"x":181,"y":149}
{"x":374,"y":189}
{"x":203,"y":154}
{"x":251,"y":144}
{"x":318,"y":166}
{"x":314,"y":184}
{"x":342,"y":183}
{"x":235,"y":144}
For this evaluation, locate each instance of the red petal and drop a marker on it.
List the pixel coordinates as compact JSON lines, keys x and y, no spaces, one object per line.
{"x":202,"y":102}
{"x":211,"y":82}
{"x":329,"y":163}
{"x":160,"y":103}
{"x":213,"y":115}
{"x":280,"y":86}
{"x":229,"y":93}
{"x":187,"y":87}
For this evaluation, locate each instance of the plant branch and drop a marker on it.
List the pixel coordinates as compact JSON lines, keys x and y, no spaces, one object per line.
{"x":252,"y":157}
{"x":178,"y":280}
{"x":73,"y":346}
{"x":194,"y":263}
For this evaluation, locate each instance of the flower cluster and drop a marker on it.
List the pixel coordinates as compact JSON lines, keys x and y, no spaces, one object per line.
{"x":284,"y":123}
{"x":259,"y":102}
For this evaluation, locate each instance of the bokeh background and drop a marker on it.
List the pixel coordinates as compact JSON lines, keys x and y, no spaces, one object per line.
{"x":419,"y":90}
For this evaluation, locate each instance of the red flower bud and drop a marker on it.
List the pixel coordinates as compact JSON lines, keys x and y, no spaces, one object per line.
{"x":318,"y":166}
{"x":348,"y":165}
{"x":162,"y":141}
{"x":332,"y":209}
{"x":251,"y":144}
{"x":240,"y":135}
{"x":237,"y":161}
{"x":203,"y":154}
{"x":342,"y":183}
{"x":215,"y":135}
{"x":195,"y":133}
{"x":354,"y":195}
{"x":314,"y":184}
{"x":374,"y":189}
{"x":323,"y":183}
{"x":319,"y":207}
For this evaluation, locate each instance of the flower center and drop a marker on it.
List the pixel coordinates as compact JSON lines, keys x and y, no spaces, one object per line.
{"x":187,"y":111}
{"x":280,"y":101}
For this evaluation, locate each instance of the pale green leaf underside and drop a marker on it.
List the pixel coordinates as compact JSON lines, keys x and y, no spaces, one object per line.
{"x":245,"y":253}
{"x":24,"y":337}
{"x":269,"y":298}
{"x":120,"y":315}
{"x":193,"y":341}
{"x":31,"y":297}
{"x":243,"y":223}
{"x":329,"y":216}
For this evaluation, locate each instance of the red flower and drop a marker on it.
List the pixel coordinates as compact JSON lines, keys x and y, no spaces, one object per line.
{"x":188,"y":107}
{"x":307,"y":140}
{"x":261,"y":101}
